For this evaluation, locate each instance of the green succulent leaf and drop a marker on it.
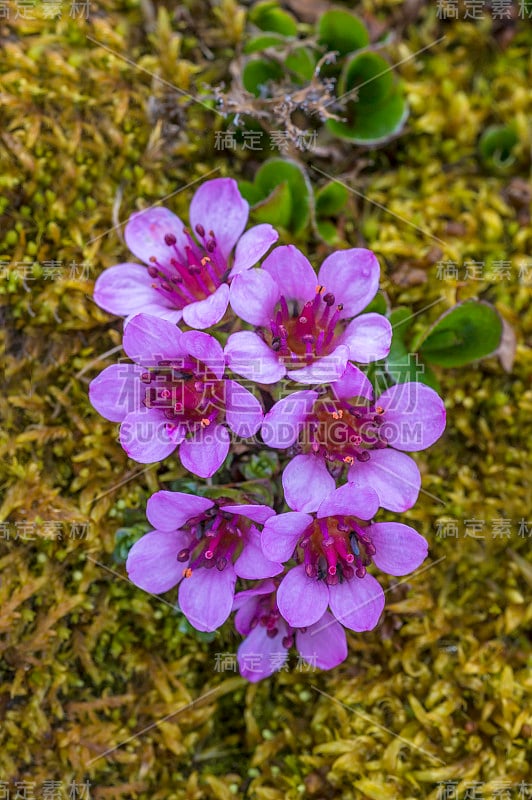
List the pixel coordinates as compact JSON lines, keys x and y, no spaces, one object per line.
{"x":331,"y":199}
{"x":402,"y":365}
{"x":377,"y":306}
{"x":301,"y":63}
{"x":293,"y":213}
{"x":378,"y":109}
{"x":467,"y":332}
{"x":339,"y":30}
{"x":327,"y":231}
{"x":276,"y":208}
{"x":497,"y":147}
{"x":258,"y":43}
{"x":269,"y":17}
{"x":249,"y":192}
{"x":258,"y":72}
{"x":371,"y":75}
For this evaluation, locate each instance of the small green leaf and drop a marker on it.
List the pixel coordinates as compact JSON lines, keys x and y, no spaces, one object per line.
{"x":399,"y":318}
{"x":263,"y":41}
{"x":402,"y":364}
{"x":377,"y":306}
{"x":372,"y":126}
{"x":280,"y":170}
{"x":301,"y":63}
{"x":469,"y":331}
{"x":497,"y":147}
{"x":249,"y":192}
{"x":276,"y":208}
{"x":327,"y":231}
{"x":372,"y":73}
{"x":269,"y":17}
{"x":339,"y":30}
{"x":258,"y":72}
{"x":378,"y":109}
{"x":331,"y":199}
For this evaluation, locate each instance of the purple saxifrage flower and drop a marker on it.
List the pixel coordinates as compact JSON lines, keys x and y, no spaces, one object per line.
{"x":333,"y":550}
{"x":269,"y":637}
{"x":344,"y":427}
{"x":185,"y":275}
{"x":203,"y":545}
{"x":174,"y":395}
{"x":303,"y":319}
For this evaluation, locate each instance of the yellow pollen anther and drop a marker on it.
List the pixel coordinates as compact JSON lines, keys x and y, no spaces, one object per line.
{"x":379,"y":410}
{"x":320,"y":289}
{"x":349,"y":460}
{"x":337,"y":414}
{"x":205,"y":422}
{"x":187,"y":572}
{"x":205,"y":260}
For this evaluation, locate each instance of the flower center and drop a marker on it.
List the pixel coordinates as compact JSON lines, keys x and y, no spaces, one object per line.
{"x":304,"y":335}
{"x":268,"y":615}
{"x":215,"y":537}
{"x":342,"y":432}
{"x":191,"y":273}
{"x":186,"y":392}
{"x":336,"y":549}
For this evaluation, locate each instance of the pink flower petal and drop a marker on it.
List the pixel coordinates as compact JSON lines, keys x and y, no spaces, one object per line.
{"x":306,"y":482}
{"x":257,"y":513}
{"x":251,"y":247}
{"x":127,"y":289}
{"x":393,"y":475}
{"x":168,"y":511}
{"x":242,"y":598}
{"x":117,"y":391}
{"x":206,"y":597}
{"x":205,"y":453}
{"x":172,"y":315}
{"x":353,"y":383}
{"x":325,"y":370}
{"x":260,"y":655}
{"x":253,"y":296}
{"x":292,"y":273}
{"x":219,"y":207}
{"x":206,"y":349}
{"x":148,"y":340}
{"x":399,"y":548}
{"x":248,"y":355}
{"x":252,"y":564}
{"x":323,"y":644}
{"x":246,"y":612}
{"x":145,"y":436}
{"x":302,"y":600}
{"x":283,"y":423}
{"x":350,"y":500}
{"x":281,"y":534}
{"x":414,"y":416}
{"x":209,"y":311}
{"x":152,"y":561}
{"x":145,"y":232}
{"x":353,"y":277}
{"x":243,"y":411}
{"x":368,"y":338}
{"x":357,"y":603}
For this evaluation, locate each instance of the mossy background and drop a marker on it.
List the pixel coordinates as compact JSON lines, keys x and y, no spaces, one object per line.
{"x":439,"y":691}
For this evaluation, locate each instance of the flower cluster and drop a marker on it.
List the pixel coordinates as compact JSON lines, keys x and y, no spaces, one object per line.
{"x":277,"y":326}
